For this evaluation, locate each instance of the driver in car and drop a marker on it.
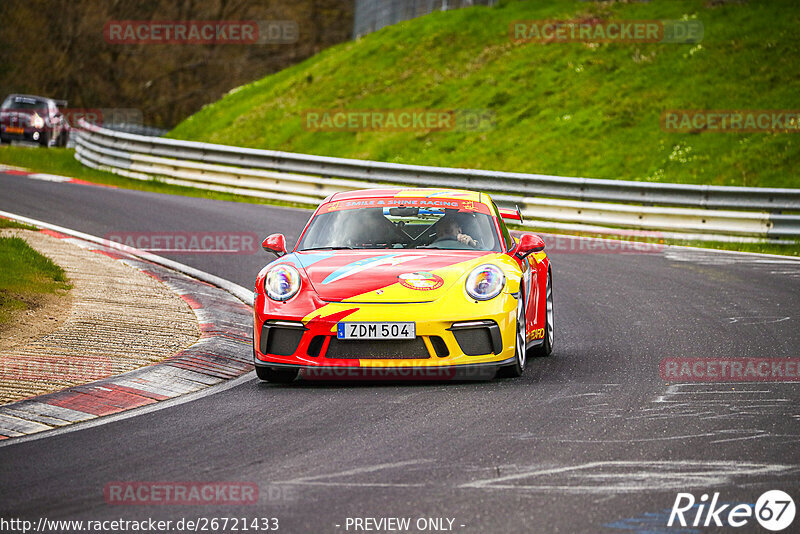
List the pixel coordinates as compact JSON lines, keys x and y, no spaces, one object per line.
{"x":449,"y":228}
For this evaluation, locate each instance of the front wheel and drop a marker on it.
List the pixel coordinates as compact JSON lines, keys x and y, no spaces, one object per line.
{"x":276,"y":375}
{"x":44,"y":140}
{"x":546,"y":348}
{"x":520,"y":354}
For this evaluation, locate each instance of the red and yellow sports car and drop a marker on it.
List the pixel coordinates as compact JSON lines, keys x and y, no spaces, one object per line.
{"x":404,"y":283}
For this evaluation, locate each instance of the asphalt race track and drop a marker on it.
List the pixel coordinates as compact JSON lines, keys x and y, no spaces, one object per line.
{"x":591,"y":439}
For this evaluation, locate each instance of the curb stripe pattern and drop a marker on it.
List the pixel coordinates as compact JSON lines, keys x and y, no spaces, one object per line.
{"x":222,"y":352}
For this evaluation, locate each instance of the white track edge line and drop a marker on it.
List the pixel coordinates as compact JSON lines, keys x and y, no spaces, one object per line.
{"x":666,"y":246}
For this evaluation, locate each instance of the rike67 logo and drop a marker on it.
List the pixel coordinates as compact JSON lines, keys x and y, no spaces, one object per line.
{"x":774,"y":510}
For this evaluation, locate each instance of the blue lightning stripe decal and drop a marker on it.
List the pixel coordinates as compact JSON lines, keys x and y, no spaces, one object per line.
{"x":305,"y":260}
{"x":368,"y":263}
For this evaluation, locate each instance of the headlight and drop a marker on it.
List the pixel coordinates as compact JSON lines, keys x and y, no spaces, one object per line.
{"x":485,"y":282}
{"x":37,"y":121}
{"x":282,"y":282}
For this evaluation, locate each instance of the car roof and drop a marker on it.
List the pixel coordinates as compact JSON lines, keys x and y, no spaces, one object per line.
{"x":425,"y":192}
{"x":32,"y":97}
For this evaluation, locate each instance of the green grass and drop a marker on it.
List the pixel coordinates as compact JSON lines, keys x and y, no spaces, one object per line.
{"x":567,"y":109}
{"x":8,"y":223}
{"x":61,"y":161}
{"x":26,"y":275}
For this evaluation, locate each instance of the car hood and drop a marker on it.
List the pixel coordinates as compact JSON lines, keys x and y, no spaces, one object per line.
{"x":384,"y":275}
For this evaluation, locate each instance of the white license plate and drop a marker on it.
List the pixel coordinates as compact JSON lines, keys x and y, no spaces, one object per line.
{"x":376,"y":330}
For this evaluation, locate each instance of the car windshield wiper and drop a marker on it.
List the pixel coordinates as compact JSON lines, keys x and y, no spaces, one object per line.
{"x":325,"y":248}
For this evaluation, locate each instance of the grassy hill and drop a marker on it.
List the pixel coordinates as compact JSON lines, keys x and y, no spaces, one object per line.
{"x":571,"y":109}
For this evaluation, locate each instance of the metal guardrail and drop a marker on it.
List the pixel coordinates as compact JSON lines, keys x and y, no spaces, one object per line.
{"x":372,"y":15}
{"x":673,"y":210}
{"x":134,"y":128}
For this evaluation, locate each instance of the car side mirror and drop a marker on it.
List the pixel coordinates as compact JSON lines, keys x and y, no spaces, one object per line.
{"x":275,"y":243}
{"x":529,"y":243}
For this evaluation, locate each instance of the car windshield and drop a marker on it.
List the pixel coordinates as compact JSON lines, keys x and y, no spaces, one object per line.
{"x":23,"y":103}
{"x":401,"y":228}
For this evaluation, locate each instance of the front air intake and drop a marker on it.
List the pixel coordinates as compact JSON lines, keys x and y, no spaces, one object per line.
{"x":476,"y":338}
{"x":281,"y":338}
{"x":395,"y":349}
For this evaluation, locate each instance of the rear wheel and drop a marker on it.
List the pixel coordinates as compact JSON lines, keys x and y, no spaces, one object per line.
{"x":276,"y":375}
{"x":520,"y":355}
{"x":546,"y":348}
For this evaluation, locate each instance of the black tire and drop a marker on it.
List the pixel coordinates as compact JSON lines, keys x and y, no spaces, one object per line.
{"x":516,"y":369}
{"x":44,"y":141}
{"x":4,"y":141}
{"x":62,"y":139}
{"x":276,"y":375}
{"x":546,"y":348}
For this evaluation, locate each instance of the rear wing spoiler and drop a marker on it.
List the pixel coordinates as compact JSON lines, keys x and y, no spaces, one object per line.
{"x":509,"y":214}
{"x":60,"y":103}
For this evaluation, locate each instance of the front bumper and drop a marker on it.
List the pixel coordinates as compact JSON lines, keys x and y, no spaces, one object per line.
{"x":460,"y":334}
{"x":27,"y":134}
